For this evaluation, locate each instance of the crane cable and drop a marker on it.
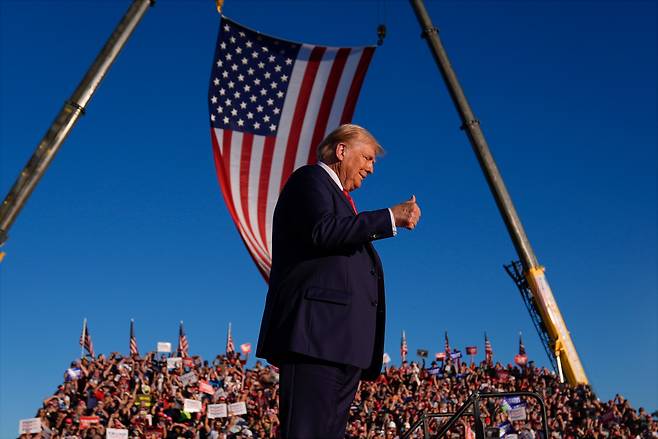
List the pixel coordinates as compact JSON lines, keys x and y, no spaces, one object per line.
{"x":381,"y":18}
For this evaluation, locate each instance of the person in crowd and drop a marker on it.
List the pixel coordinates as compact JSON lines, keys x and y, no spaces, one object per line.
{"x":146,"y":397}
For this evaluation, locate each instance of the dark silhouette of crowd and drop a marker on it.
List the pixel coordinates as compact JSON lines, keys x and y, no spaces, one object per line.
{"x":146,"y":397}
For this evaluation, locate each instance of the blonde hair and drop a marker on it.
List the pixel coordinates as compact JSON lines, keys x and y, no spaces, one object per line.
{"x":344,"y":134}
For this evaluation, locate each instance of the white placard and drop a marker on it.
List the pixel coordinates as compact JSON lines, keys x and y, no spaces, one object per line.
{"x":517,"y":413}
{"x":174,"y":362}
{"x":164,"y":346}
{"x":217,"y":411}
{"x":192,"y":405}
{"x":116,"y":433}
{"x":237,"y":408}
{"x":511,"y":436}
{"x":31,"y":425}
{"x":188,"y":378}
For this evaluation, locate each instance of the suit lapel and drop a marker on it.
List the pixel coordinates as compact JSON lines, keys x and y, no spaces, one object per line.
{"x":330,"y":182}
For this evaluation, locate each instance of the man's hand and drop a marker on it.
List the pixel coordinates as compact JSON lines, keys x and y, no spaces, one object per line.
{"x":406,"y":214}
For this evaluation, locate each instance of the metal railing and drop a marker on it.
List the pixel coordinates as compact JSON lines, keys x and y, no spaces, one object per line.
{"x":473,"y":402}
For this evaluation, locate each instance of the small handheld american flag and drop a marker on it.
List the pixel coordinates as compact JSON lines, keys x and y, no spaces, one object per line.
{"x":488,"y":350}
{"x":85,"y":339}
{"x":230,"y":346}
{"x":183,"y":346}
{"x":133,"y":341}
{"x":521,"y":358}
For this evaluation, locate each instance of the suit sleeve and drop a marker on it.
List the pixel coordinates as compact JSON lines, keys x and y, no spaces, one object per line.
{"x":329,"y":229}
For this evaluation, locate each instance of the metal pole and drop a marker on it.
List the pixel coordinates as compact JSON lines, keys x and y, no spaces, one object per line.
{"x":543,"y":298}
{"x":472,"y":127}
{"x":67,"y":117}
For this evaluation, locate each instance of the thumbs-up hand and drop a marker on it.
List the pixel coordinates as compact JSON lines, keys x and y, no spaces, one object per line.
{"x":406,"y":214}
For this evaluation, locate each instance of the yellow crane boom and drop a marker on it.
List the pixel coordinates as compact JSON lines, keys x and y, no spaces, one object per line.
{"x":532,"y":281}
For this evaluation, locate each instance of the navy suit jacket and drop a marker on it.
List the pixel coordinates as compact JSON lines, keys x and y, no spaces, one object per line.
{"x":326,"y":292}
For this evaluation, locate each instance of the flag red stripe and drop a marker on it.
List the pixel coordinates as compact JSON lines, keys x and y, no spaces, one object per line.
{"x":355,"y":88}
{"x":327,"y":100}
{"x":263,"y":185}
{"x":300,"y":110}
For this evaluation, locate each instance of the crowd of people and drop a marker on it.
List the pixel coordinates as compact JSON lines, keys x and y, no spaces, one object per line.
{"x":147,"y":397}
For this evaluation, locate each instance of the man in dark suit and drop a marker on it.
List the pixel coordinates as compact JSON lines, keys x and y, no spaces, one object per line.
{"x":324,"y":317}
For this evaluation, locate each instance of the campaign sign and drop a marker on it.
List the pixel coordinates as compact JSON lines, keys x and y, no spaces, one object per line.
{"x":440,"y":356}
{"x":206,"y":388}
{"x":164,"y":346}
{"x":192,"y":405}
{"x":471,"y":350}
{"x":31,"y":425}
{"x":517,"y":413}
{"x":217,"y":411}
{"x":174,"y":362}
{"x":237,"y":408}
{"x":88,"y":421}
{"x":456,"y":354}
{"x":116,"y":433}
{"x":511,"y":436}
{"x":513,"y":400}
{"x":188,"y":378}
{"x":188,"y":362}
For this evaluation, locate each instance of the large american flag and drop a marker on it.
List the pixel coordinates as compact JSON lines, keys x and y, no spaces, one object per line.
{"x":85,"y":339}
{"x":183,"y":346}
{"x":133,"y":340}
{"x":271,"y":103}
{"x":446,"y":346}
{"x":404,"y":349}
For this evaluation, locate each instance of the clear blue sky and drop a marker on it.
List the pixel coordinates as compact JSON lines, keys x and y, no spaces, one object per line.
{"x":129,"y":221}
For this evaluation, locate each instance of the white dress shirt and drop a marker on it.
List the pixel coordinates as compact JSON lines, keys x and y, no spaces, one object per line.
{"x":336,"y":180}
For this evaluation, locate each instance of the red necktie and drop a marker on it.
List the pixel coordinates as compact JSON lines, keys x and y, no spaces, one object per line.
{"x":347,"y":194}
